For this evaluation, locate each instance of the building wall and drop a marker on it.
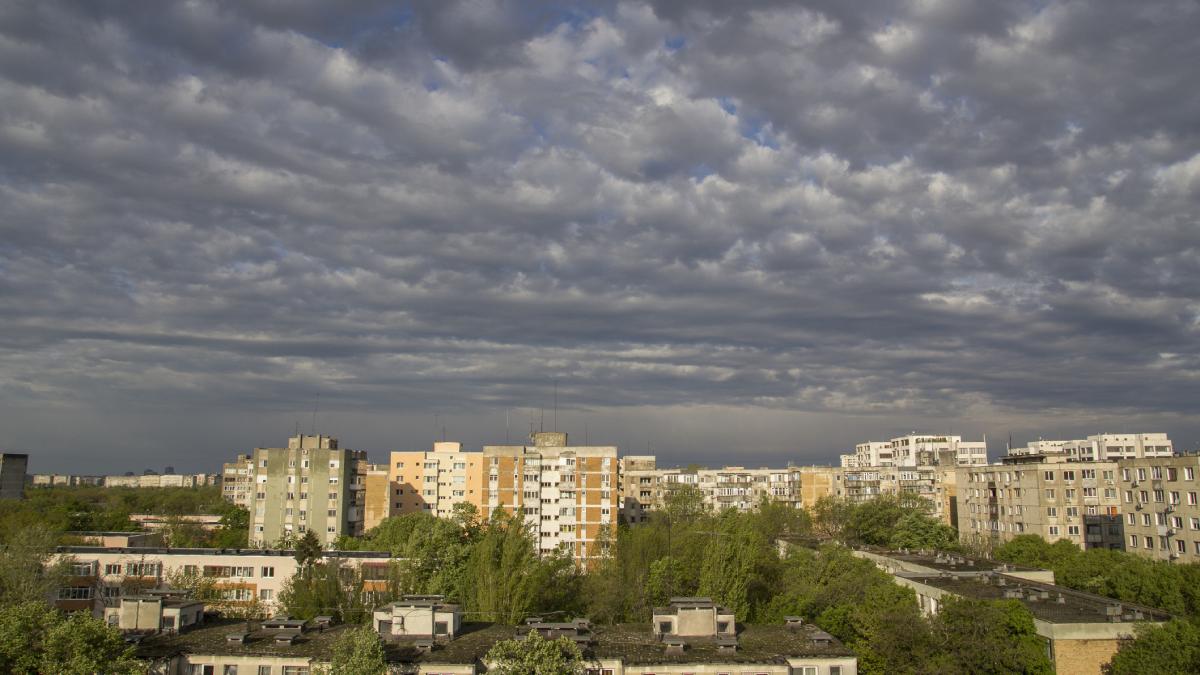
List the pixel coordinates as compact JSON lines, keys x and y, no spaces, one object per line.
{"x":309,"y":485}
{"x":434,"y":481}
{"x":1160,"y":504}
{"x":12,"y":475}
{"x":248,"y":575}
{"x":1083,"y":657}
{"x":1075,"y":501}
{"x":569,"y":494}
{"x":237,"y":481}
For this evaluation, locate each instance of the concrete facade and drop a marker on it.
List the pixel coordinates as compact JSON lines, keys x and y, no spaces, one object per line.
{"x":433,"y":481}
{"x":237,"y":481}
{"x":1073,"y":501}
{"x":1160,"y":507}
{"x":311,"y":485}
{"x":12,"y":475}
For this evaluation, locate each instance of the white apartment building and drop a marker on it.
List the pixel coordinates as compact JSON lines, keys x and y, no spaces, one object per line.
{"x":237,"y":481}
{"x":917,"y":450}
{"x":569,"y":494}
{"x":1097,"y":448}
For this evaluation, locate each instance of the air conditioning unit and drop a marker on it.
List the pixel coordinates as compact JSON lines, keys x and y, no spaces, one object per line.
{"x":1169,"y":509}
{"x":1138,"y":507}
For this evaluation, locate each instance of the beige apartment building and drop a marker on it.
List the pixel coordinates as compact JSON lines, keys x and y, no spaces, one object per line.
{"x":311,"y":485}
{"x":237,"y":481}
{"x":101,"y":575}
{"x":569,"y":494}
{"x":435,"y":480}
{"x":1072,"y":501}
{"x":1160,"y":505}
{"x":917,"y":450}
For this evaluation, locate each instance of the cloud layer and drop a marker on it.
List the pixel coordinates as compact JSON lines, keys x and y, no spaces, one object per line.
{"x":928,"y":211}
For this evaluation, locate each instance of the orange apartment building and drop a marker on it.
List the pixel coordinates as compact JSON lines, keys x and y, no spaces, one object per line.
{"x":570,"y":494}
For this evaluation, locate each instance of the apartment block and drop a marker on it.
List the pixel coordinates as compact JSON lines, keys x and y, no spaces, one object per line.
{"x":237,"y":481}
{"x":1074,"y":501}
{"x":101,"y":575}
{"x":935,"y":483}
{"x":1097,"y":448}
{"x":641,"y":487}
{"x":1081,"y":631}
{"x":1160,"y":504}
{"x":433,"y":480}
{"x":12,"y":475}
{"x":311,"y":485}
{"x":569,"y":494}
{"x":917,"y":450}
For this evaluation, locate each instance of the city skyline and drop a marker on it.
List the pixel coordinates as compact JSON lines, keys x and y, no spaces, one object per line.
{"x":710,"y":232}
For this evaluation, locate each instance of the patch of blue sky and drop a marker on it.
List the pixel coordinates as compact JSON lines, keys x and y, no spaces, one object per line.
{"x":701,"y":171}
{"x":757,"y":129}
{"x":675,"y":42}
{"x":727,"y":104}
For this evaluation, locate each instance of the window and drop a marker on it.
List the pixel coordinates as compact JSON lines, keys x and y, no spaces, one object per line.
{"x":264,"y":670}
{"x":75,"y":593}
{"x":1195,"y":523}
{"x":1189,"y":473}
{"x":266,"y":594}
{"x":1125,"y":474}
{"x":268,"y":572}
{"x":1052,"y":511}
{"x":1131,"y":518}
{"x":1088,"y":473}
{"x":1133,"y":541}
{"x":229,"y":670}
{"x":141,"y":569}
{"x":205,"y":669}
{"x":114,"y":568}
{"x":1141,"y":474}
{"x":1049,"y":475}
{"x":1050,"y":493}
{"x":1068,"y":475}
{"x":1053,"y":530}
{"x":295,"y":670}
{"x":1073,"y":530}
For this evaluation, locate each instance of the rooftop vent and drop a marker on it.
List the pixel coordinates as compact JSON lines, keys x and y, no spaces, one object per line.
{"x":423,"y":645}
{"x":675,"y":645}
{"x":287,"y":638}
{"x":727,"y":645}
{"x":793,"y":622}
{"x":820,"y":638}
{"x":237,"y":638}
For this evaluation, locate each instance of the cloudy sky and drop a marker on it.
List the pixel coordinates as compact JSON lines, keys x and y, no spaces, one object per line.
{"x":730,"y":232}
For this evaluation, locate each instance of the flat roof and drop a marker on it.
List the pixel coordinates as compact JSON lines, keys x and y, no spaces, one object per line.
{"x":949,"y":562}
{"x":1077,"y":606}
{"x":634,"y":643}
{"x":164,"y":550}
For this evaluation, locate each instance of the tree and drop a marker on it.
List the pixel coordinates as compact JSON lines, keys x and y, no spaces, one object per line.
{"x":83,"y":645}
{"x":357,"y":651}
{"x":36,"y":638}
{"x":234,"y":531}
{"x":987,"y":636}
{"x":326,"y":588}
{"x":534,"y":655}
{"x":1173,"y":647}
{"x":917,"y":531}
{"x":28,"y":570}
{"x":308,"y":550}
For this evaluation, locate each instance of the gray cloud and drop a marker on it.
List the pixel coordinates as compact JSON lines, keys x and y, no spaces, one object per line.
{"x":946,"y":214}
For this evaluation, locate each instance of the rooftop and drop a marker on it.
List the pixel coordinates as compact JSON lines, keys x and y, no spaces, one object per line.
{"x":632,"y":642}
{"x":162,"y":550}
{"x":1047,"y":602}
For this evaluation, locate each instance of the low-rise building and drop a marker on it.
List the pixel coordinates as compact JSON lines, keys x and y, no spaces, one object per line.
{"x":296,"y":648}
{"x":1160,"y":506}
{"x":155,"y":614}
{"x":102,"y":575}
{"x":418,"y":616}
{"x":1082,"y":631}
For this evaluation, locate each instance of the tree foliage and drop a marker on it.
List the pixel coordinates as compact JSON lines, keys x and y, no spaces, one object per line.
{"x":987,"y":637}
{"x":1173,"y":647}
{"x":357,"y":651}
{"x":36,"y":638}
{"x":535,"y":655}
{"x":27,"y":567}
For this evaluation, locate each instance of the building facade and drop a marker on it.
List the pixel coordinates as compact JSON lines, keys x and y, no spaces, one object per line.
{"x":1073,"y":501}
{"x":237,"y":481}
{"x":12,"y":475}
{"x":1160,"y":505}
{"x":570,"y":495}
{"x":917,"y":450}
{"x":311,"y":485}
{"x":434,"y":480}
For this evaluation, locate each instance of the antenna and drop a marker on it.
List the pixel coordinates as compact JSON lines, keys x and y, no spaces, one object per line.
{"x":316,"y":404}
{"x":554,"y":419}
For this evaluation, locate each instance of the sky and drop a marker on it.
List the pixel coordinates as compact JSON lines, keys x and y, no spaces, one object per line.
{"x":718,"y":232}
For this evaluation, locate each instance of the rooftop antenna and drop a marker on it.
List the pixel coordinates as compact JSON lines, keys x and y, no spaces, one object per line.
{"x":316,"y":404}
{"x":554,"y":419}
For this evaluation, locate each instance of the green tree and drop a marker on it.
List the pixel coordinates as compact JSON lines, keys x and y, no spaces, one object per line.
{"x":918,"y":531}
{"x":982,"y":636}
{"x":308,"y":550}
{"x":23,"y":627}
{"x":326,"y":588}
{"x":1173,"y":647}
{"x":36,"y":638}
{"x":84,"y":645}
{"x":28,"y":569}
{"x":234,"y":530}
{"x":357,"y":651}
{"x":534,"y":655}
